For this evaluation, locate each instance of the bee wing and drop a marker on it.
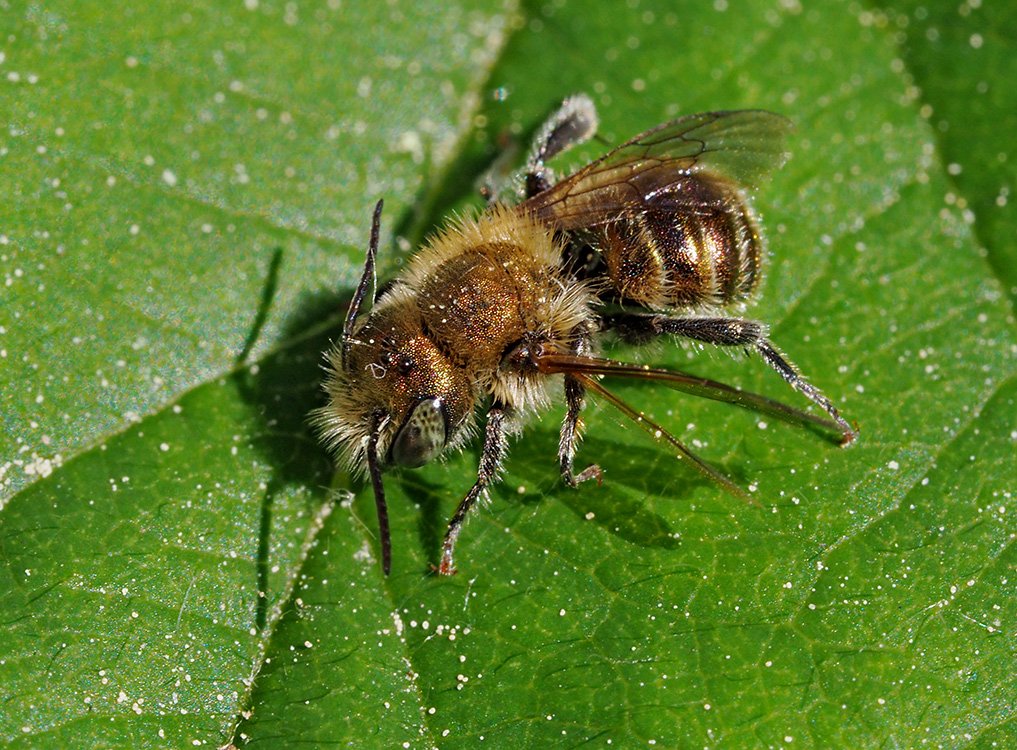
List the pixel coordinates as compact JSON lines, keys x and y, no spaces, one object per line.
{"x":667,"y":166}
{"x":573,"y":364}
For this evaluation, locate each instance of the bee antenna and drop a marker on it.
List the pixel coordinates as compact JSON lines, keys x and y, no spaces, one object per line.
{"x":368,"y":277}
{"x":375,"y":471}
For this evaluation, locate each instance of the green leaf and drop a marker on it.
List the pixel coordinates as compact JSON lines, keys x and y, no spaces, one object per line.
{"x":962,"y":59}
{"x":190,"y":192}
{"x":185,"y":193}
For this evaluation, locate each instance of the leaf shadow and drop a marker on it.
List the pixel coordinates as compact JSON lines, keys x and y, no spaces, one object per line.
{"x":636,"y":478}
{"x":427,"y":496}
{"x":622,"y":504}
{"x":281,"y":390}
{"x":285,"y":386}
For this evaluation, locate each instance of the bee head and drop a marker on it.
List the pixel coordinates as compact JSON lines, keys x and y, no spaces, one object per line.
{"x":394,"y":397}
{"x":395,"y":387}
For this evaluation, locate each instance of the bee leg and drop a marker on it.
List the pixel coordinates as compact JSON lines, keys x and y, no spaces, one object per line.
{"x":497,"y":179}
{"x":574,"y":122}
{"x":491,"y":459}
{"x":571,"y":433}
{"x":729,"y":332}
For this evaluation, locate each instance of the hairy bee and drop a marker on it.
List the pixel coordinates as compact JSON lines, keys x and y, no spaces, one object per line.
{"x":655,"y":238}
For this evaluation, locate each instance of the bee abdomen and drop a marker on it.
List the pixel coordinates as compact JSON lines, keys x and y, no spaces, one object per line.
{"x":663,"y":258}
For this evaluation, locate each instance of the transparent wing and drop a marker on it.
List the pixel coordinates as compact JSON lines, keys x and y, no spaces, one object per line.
{"x":681,"y":381}
{"x":696,"y":161}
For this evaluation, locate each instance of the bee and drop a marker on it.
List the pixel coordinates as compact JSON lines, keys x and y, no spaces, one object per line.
{"x":655,"y":239}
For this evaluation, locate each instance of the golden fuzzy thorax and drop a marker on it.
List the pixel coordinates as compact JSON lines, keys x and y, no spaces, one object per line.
{"x":479,"y":290}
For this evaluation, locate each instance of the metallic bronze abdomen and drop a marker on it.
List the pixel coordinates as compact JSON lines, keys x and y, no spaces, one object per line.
{"x":665,"y":258}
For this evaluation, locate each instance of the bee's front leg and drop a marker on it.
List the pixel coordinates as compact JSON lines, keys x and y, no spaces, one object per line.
{"x":491,"y":459}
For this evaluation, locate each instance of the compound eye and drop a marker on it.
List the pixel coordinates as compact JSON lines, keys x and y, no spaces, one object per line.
{"x":404,"y":365}
{"x":423,"y":435}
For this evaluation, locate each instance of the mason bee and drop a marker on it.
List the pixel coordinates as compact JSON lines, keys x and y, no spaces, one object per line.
{"x":656,"y":238}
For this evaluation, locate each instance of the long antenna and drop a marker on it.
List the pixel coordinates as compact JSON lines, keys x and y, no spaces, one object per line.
{"x":368,"y":278}
{"x":379,"y":492}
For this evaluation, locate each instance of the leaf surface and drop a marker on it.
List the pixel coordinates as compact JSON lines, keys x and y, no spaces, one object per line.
{"x":191,"y":192}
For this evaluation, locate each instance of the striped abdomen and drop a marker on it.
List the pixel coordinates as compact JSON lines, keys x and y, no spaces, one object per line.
{"x":662,"y":258}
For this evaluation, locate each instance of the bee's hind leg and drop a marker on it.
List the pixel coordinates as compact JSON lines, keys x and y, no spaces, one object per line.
{"x":750,"y":334}
{"x":573,"y":123}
